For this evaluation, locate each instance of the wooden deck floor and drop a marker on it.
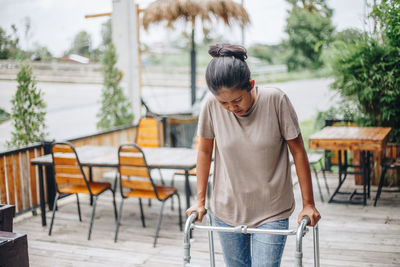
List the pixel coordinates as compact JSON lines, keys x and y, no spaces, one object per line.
{"x":350,"y":235}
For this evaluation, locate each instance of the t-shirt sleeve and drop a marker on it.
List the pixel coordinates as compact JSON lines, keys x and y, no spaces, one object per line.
{"x":205,"y":127}
{"x":288,"y":122}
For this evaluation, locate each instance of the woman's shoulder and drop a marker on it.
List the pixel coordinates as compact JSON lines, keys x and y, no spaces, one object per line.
{"x":269,"y":93}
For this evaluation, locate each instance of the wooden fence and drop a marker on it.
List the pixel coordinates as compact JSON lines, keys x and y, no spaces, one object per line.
{"x":19,"y":179}
{"x":19,"y":183}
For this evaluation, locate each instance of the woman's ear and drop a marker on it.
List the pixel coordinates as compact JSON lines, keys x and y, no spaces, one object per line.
{"x":252,"y":82}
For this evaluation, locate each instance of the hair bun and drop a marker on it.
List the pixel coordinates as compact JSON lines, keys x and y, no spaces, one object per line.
{"x":227,"y":50}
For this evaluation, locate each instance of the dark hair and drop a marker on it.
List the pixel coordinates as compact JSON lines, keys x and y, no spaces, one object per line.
{"x":228,"y":68}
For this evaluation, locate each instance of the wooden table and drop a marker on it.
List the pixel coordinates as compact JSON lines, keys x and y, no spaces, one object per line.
{"x":106,"y":156}
{"x":364,"y":139}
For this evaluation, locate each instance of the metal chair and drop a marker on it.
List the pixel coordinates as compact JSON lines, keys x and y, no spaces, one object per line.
{"x":387,"y":164}
{"x":70,"y":178}
{"x":193,"y":173}
{"x":150,"y":134}
{"x":134,"y":175}
{"x":315,"y":159}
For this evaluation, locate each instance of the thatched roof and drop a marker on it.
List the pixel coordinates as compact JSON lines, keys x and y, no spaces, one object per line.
{"x":172,"y":10}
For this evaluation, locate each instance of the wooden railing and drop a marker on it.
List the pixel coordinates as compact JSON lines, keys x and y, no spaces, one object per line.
{"x":19,"y":179}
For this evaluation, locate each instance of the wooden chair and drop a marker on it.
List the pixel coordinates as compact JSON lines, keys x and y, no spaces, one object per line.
{"x":134,"y":175}
{"x":150,"y":134}
{"x":387,"y":164}
{"x":70,"y":178}
{"x":193,"y":173}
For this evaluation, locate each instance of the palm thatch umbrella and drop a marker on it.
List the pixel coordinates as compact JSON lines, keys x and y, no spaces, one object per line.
{"x":187,"y":10}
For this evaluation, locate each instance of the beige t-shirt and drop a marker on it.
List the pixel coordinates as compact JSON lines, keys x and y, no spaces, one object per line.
{"x":252,"y":180}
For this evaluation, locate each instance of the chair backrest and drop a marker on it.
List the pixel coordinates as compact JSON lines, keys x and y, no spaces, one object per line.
{"x":134,"y":172}
{"x":149,"y":132}
{"x":66,"y":166}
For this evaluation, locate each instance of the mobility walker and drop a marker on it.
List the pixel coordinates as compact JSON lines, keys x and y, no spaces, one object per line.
{"x":299,"y":233}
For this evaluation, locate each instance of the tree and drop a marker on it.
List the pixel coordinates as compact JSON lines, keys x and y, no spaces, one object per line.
{"x":309,"y":28}
{"x":115,"y":108}
{"x":82,"y":44}
{"x":28,"y":110}
{"x":368,"y":72}
{"x":9,"y":44}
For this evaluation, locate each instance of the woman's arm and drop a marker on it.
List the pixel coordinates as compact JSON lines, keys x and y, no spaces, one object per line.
{"x":299,"y":153}
{"x":204,"y":157}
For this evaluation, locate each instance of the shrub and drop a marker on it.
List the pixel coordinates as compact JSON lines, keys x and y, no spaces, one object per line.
{"x":28,"y":110}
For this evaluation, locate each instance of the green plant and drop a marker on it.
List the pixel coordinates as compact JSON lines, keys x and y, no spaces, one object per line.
{"x":368,"y":72}
{"x":115,"y":107}
{"x":310,"y":29}
{"x":4,"y":115}
{"x":28,"y":110}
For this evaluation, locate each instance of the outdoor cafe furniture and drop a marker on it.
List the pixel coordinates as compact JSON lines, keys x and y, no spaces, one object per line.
{"x":107,"y":156}
{"x":387,"y":164}
{"x":135,"y":175}
{"x":314,"y":159}
{"x":70,"y":178}
{"x":150,"y":134}
{"x":363,"y":139}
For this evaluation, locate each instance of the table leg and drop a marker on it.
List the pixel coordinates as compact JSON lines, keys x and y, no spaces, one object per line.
{"x":363,"y":168}
{"x":369,"y":173}
{"x":187,"y":189}
{"x":91,"y":180}
{"x":42,"y":199}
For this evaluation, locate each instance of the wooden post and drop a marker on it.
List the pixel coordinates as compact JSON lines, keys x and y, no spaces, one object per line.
{"x":124,"y":36}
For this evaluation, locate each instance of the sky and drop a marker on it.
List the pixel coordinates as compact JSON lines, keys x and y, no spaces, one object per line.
{"x":54,"y":23}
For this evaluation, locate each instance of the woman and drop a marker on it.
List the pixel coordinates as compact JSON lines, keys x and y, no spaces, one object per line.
{"x":252,"y":129}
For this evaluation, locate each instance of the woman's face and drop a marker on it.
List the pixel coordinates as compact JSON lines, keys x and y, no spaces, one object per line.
{"x":237,"y":101}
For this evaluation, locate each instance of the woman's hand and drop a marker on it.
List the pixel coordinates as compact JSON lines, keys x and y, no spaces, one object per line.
{"x":199,"y":208}
{"x":311,"y":212}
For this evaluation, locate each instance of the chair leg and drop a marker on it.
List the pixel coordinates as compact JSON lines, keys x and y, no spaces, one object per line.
{"x":149,"y":202}
{"x":79,"y":207}
{"x":158,"y":224}
{"x":325,"y":180}
{"x":161,"y":177}
{"x":92,"y":217}
{"x":381,"y":180}
{"x":172,"y":184}
{"x":115,"y":206}
{"x":54,"y":212}
{"x":142,"y":213}
{"x":319,"y":186}
{"x":118,"y":220}
{"x":180,"y":212}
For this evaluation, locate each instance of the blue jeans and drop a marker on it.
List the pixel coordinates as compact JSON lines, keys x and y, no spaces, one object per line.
{"x":253,"y":250}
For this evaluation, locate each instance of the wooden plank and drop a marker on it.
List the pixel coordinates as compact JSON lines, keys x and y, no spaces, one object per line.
{"x":25,"y":181}
{"x":10,"y":180}
{"x":18,"y":185}
{"x":134,"y":171}
{"x":130,"y":149}
{"x":3,"y":189}
{"x":132,"y":160}
{"x":33,"y":179}
{"x":59,"y":148}
{"x":137,"y":184}
{"x":69,"y":161}
{"x":70,"y":180}
{"x":68,"y":170}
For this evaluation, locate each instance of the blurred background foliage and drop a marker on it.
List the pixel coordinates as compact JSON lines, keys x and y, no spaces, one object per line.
{"x":364,"y":65}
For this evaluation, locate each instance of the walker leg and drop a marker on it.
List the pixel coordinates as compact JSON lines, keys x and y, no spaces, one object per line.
{"x":316,"y":245}
{"x":211,"y":242}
